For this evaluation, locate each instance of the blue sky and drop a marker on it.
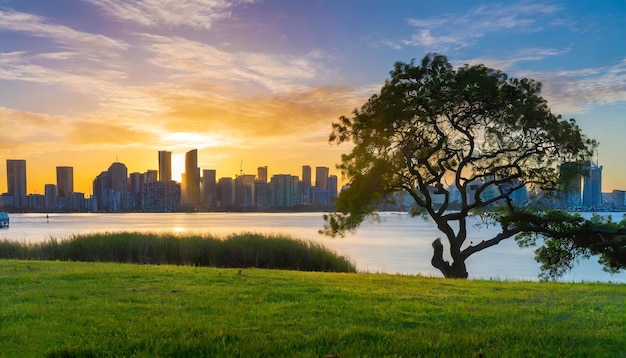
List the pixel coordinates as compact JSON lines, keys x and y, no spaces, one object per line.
{"x":85,"y":81}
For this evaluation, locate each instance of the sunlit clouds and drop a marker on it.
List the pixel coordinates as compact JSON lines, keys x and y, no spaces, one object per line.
{"x":193,"y":13}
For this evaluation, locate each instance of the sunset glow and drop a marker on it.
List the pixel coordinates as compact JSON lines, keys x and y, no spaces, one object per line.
{"x":84,"y":83}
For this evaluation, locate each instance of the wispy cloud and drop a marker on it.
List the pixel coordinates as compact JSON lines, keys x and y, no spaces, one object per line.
{"x":455,"y":30}
{"x":194,"y":60}
{"x":199,"y":14}
{"x":64,"y":36}
{"x":576,"y":91}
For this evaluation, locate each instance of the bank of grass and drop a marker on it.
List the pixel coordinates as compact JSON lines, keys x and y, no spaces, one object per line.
{"x":72,"y":309}
{"x":241,"y":250}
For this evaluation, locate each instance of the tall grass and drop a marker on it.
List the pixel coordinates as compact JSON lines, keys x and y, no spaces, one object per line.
{"x":234,"y":251}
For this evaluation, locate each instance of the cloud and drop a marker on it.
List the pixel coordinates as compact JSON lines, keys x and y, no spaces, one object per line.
{"x":575,"y":91}
{"x":67,"y":37}
{"x":200,"y":14}
{"x":567,"y":91}
{"x":289,"y":114}
{"x":44,"y":130}
{"x":442,"y":33}
{"x":190,"y":60}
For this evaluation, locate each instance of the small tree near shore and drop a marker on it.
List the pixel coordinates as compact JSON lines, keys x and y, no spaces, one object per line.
{"x":475,"y":128}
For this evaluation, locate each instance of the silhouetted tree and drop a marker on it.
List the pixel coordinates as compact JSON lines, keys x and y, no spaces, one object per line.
{"x":432,"y":124}
{"x":567,"y":237}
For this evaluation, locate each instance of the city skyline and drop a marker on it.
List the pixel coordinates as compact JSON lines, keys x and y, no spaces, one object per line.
{"x":17,"y":173}
{"x":84,"y":83}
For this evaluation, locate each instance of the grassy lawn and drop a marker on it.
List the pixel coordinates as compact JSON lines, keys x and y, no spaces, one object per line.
{"x":70,"y":309}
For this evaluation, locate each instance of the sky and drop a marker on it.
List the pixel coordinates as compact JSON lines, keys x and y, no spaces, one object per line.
{"x":250,"y":83}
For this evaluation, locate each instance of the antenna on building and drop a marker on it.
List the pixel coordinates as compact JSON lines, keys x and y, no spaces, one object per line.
{"x":241,"y":168}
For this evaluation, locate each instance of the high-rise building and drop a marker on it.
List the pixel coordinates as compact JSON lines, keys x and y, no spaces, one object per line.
{"x":165,"y":166}
{"x":226,"y":192}
{"x":65,"y":182}
{"x":262,"y":174}
{"x":572,"y":184}
{"x":321,"y":178}
{"x":119,"y":177}
{"x":150,"y":176}
{"x":332,"y":186}
{"x":16,"y":181}
{"x":244,"y":190}
{"x":209,"y":188}
{"x":592,"y":186}
{"x":50,"y":196}
{"x":283,"y":191}
{"x":160,"y":196}
{"x":191,"y":191}
{"x":306,"y":178}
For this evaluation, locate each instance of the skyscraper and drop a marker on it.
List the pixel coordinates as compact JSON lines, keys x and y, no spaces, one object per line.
{"x":119,"y":177}
{"x":192,"y":179}
{"x":262,"y":174}
{"x":209,"y":188}
{"x":592,"y":187}
{"x":321,"y":177}
{"x":165,"y":166}
{"x":572,"y":186}
{"x":16,"y":181}
{"x":50,"y":196}
{"x":306,"y":178}
{"x":65,"y":181}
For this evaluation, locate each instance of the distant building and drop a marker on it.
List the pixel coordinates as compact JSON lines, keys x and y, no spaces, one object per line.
{"x":304,"y":187}
{"x":50,"y":196}
{"x":16,"y":182}
{"x":110,"y":189}
{"x":321,"y":178}
{"x":619,"y":199}
{"x":262,"y":174}
{"x":226,"y":192}
{"x":333,"y":183}
{"x":191,"y":184}
{"x":592,"y":186}
{"x":571,"y":190}
{"x":261,"y":194}
{"x":161,"y":196}
{"x":244,"y":190}
{"x":150,"y":176}
{"x":119,"y":177}
{"x":209,"y":188}
{"x":165,"y":166}
{"x":36,"y":201}
{"x":283,"y":191}
{"x":65,"y":182}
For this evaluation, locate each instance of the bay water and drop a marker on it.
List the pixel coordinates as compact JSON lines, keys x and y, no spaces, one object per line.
{"x":395,"y":243}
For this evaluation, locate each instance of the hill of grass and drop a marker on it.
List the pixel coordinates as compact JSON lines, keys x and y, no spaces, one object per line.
{"x":72,"y":309}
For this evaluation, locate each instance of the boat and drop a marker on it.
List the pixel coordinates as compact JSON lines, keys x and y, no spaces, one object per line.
{"x":4,"y":219}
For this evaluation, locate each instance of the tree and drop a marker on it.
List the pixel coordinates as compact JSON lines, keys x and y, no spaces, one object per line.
{"x":432,"y":124}
{"x":566,"y":237}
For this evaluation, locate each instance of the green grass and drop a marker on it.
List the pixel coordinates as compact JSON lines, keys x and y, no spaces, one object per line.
{"x":71,"y":309}
{"x":238,"y":250}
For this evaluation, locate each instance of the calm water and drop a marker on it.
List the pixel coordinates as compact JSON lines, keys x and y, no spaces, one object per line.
{"x":396,"y":243}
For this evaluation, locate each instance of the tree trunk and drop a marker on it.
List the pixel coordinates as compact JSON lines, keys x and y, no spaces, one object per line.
{"x":456,"y":270}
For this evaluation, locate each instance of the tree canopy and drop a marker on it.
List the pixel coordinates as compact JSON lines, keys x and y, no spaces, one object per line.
{"x":434,"y":129}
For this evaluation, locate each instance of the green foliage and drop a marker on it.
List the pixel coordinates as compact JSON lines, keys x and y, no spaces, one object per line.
{"x":237,"y":250}
{"x":568,"y":237}
{"x":69,"y":309}
{"x":432,"y":125}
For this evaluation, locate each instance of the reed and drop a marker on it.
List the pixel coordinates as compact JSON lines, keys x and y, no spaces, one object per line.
{"x":241,"y":250}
